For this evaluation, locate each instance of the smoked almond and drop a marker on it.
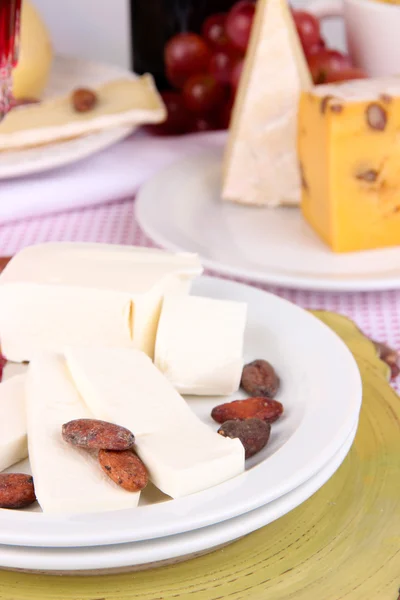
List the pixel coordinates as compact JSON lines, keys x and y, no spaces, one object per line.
{"x":266,"y":409}
{"x":125,"y":469}
{"x":93,"y":434}
{"x":16,"y":490}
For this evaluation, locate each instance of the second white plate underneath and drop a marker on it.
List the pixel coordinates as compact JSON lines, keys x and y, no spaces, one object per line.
{"x":180,"y":208}
{"x":153,"y":553}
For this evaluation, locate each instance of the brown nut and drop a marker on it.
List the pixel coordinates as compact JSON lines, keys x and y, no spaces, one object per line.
{"x":253,"y":433}
{"x":84,"y":100}
{"x":376,"y":116}
{"x":390,"y":357}
{"x":259,"y":379}
{"x":16,"y":490}
{"x":125,"y":469}
{"x":266,"y":409}
{"x":96,"y":435}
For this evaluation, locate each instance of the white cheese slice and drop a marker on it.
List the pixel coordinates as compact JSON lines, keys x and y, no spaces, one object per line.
{"x":119,"y":103}
{"x":260,"y":163}
{"x":199,"y":344}
{"x":67,"y":479}
{"x":59,"y":294}
{"x":182,"y":454}
{"x":13,"y":441}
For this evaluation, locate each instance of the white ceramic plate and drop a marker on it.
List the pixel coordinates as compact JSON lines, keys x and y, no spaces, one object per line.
{"x":320,"y":411}
{"x":67,"y":74}
{"x":180,"y":209}
{"x":152,"y":553}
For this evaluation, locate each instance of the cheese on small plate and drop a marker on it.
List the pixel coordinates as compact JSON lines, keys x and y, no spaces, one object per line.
{"x":183,"y":455}
{"x":199,"y":344}
{"x":60,"y":294}
{"x":67,"y":479}
{"x":260,"y":163}
{"x":13,"y":441}
{"x":121,"y":102}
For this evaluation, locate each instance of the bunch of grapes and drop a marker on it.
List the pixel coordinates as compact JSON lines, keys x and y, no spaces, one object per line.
{"x":205,"y":69}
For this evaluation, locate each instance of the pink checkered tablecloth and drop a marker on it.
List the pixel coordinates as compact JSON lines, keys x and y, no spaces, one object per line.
{"x":376,"y":313}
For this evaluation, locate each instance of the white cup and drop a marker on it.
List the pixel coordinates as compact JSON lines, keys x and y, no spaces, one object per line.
{"x":372,"y":30}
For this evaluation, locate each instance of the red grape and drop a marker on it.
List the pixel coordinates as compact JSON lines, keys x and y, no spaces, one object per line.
{"x":236,"y":74}
{"x":203,"y":94}
{"x":178,"y":117}
{"x":326,"y":62}
{"x":226,"y":113}
{"x":185,"y":54}
{"x":222,"y":64}
{"x":205,"y":123}
{"x":345,"y":75}
{"x":239,"y":22}
{"x":315,"y":48}
{"x":308,"y":28}
{"x":213,"y":31}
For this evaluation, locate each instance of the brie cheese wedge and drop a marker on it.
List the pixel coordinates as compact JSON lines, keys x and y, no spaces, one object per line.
{"x":260,"y":163}
{"x":199,"y":344}
{"x":13,"y":441}
{"x":60,"y":294}
{"x":67,"y":479}
{"x":182,"y":454}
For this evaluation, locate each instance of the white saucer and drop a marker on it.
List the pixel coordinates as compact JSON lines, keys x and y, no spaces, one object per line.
{"x":67,"y":73}
{"x":180,"y":209}
{"x":320,"y":411}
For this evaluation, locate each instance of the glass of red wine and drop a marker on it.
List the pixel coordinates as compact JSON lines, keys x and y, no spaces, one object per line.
{"x":10,"y":15}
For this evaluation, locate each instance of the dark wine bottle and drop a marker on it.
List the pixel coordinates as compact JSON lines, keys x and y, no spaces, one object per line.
{"x":154,"y":22}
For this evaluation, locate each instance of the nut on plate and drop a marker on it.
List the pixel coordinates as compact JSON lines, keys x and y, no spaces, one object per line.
{"x":260,"y":379}
{"x":253,"y":433}
{"x":16,"y":490}
{"x":84,"y":100}
{"x":94,"y":434}
{"x":125,"y":469}
{"x":266,"y":409}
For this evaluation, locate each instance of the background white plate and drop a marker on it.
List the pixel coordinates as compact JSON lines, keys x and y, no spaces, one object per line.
{"x":180,"y":209}
{"x":320,"y":411}
{"x":152,"y":553}
{"x":67,"y":74}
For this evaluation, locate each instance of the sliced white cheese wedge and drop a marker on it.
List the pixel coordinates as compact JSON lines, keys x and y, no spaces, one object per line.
{"x":67,"y":479}
{"x":120,"y":102}
{"x":260,"y":164}
{"x":53,"y":295}
{"x":13,"y":441}
{"x":182,"y":454}
{"x":199,"y":344}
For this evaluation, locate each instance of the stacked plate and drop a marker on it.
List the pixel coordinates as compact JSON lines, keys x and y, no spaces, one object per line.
{"x":321,"y":394}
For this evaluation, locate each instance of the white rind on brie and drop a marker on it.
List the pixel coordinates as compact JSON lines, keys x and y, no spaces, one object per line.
{"x":260,"y":163}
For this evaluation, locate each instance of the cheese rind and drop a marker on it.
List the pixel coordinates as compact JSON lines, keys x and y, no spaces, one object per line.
{"x":182,"y":454}
{"x":13,"y":440}
{"x":349,"y":149}
{"x":67,"y":479}
{"x":260,"y":163}
{"x":53,"y":295}
{"x":199,"y":344}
